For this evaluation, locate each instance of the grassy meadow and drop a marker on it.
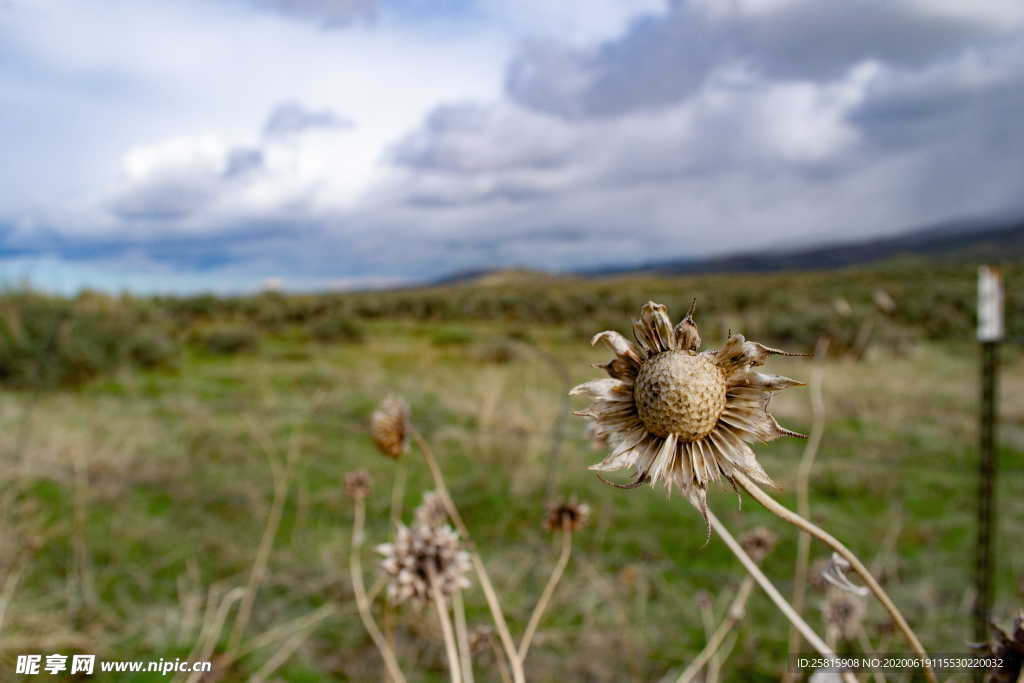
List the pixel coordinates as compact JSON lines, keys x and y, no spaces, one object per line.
{"x":143,"y":442}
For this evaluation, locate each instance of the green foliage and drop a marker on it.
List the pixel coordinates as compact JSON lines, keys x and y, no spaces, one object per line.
{"x":228,"y":340}
{"x":335,"y":328}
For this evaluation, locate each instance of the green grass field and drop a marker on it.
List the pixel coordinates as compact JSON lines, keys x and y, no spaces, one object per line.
{"x":134,"y":500}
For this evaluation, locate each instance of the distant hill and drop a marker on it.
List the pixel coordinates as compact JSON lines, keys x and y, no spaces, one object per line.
{"x":953,"y":242}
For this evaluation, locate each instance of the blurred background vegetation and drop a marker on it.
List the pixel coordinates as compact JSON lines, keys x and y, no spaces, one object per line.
{"x":140,"y":437}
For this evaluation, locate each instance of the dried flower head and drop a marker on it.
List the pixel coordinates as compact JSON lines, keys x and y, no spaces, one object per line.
{"x":844,"y":612}
{"x":389,"y":426}
{"x":1009,"y":650}
{"x":758,"y":542}
{"x":480,"y":637}
{"x":422,"y":554}
{"x":431,"y":511}
{"x":681,"y":416}
{"x":566,"y":514}
{"x":358,"y":484}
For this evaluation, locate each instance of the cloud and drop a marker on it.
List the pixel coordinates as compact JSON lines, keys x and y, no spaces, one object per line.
{"x":291,"y":117}
{"x":328,"y":13}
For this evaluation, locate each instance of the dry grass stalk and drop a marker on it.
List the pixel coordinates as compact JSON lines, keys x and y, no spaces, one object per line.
{"x":803,"y":479}
{"x":780,"y":602}
{"x":359,"y":589}
{"x":462,"y":637}
{"x":788,"y":515}
{"x":282,"y":479}
{"x":549,"y":589}
{"x":757,"y":543}
{"x":454,"y":661}
{"x":481,"y":571}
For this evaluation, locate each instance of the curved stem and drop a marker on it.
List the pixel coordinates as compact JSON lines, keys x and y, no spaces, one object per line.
{"x":549,"y":590}
{"x":806,"y":631}
{"x":733,"y":617}
{"x":803,"y":504}
{"x":474,"y":556}
{"x":446,"y":627}
{"x":828,"y":539}
{"x":355,"y":565}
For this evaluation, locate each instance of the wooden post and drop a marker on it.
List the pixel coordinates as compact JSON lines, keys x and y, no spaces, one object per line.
{"x":990,"y":333}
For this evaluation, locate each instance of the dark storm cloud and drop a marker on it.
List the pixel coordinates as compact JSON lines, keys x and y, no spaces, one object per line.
{"x":664,"y":59}
{"x":292,"y":117}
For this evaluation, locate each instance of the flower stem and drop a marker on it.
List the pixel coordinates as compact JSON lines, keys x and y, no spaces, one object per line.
{"x":788,"y":515}
{"x":549,"y":590}
{"x":462,"y":636}
{"x":806,"y":631}
{"x":454,"y":668}
{"x":733,"y":617}
{"x":362,"y":604}
{"x":803,"y":477}
{"x":478,"y":565}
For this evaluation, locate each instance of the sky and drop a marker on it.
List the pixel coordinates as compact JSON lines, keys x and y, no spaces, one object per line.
{"x":232,"y":145}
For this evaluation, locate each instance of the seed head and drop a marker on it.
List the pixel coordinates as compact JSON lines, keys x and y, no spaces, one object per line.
{"x":479,"y":637}
{"x":431,"y":511}
{"x":567,"y":512}
{"x":422,"y":554}
{"x":844,"y":612}
{"x":389,"y":426}
{"x":358,"y":484}
{"x":758,"y":542}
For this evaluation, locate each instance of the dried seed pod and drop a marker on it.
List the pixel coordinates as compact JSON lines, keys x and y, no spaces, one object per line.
{"x":389,"y":426}
{"x":422,"y":554}
{"x":566,"y":513}
{"x":358,"y":484}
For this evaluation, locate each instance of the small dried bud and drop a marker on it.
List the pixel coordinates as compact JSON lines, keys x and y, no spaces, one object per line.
{"x":358,"y":484}
{"x":687,"y":333}
{"x":843,"y":611}
{"x":389,"y":426}
{"x":758,"y":542}
{"x":566,"y":514}
{"x":421,"y":555}
{"x":479,"y":638}
{"x":431,"y":511}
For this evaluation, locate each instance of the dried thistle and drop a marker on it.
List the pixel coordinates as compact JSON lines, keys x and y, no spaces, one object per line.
{"x":566,"y":512}
{"x":758,"y":542}
{"x":431,"y":511}
{"x":358,"y":484}
{"x":422,"y":554}
{"x":597,"y":437}
{"x":680,"y":416}
{"x":389,"y":426}
{"x":844,"y":612}
{"x":1009,"y":649}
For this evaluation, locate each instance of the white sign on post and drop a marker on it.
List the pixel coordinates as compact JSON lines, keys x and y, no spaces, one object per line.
{"x":990,"y":305}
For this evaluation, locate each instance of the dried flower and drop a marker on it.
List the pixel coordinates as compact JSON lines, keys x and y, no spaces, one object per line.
{"x":680,"y":416}
{"x":480,"y":637}
{"x":419,"y":555}
{"x":389,"y":426}
{"x":358,"y":484}
{"x":1009,"y":649}
{"x":431,"y":511}
{"x":566,"y":512}
{"x":758,"y":542}
{"x":597,"y":437}
{"x":844,"y":612}
{"x":834,"y":573}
